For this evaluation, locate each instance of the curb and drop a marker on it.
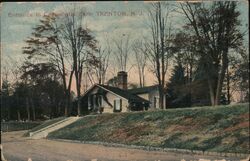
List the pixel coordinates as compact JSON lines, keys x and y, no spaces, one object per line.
{"x":149,"y":148}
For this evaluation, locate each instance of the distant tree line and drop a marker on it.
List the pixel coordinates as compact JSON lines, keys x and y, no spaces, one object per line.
{"x":207,"y":60}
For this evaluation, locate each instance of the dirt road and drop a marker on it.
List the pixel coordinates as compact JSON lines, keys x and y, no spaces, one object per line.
{"x":18,"y":148}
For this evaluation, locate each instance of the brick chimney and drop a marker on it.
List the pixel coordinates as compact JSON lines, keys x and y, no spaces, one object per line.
{"x":122,"y":79}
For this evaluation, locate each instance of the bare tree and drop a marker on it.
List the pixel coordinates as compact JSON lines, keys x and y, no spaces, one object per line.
{"x":68,"y":44}
{"x":81,"y":45}
{"x":159,"y":47}
{"x":122,"y":47}
{"x":141,"y":59}
{"x":100,"y":69}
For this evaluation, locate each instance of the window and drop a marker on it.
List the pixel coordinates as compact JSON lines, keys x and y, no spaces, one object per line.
{"x":100,"y":100}
{"x":155,"y":101}
{"x":89,"y":102}
{"x":117,"y":105}
{"x":94,"y":101}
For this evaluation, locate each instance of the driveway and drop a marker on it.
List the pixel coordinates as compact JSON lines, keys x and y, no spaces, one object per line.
{"x":18,"y":148}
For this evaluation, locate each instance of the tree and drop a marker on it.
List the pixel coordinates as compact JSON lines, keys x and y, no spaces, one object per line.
{"x":66,"y":43}
{"x":159,"y":46}
{"x":216,"y":27}
{"x":185,"y":52}
{"x":48,"y":42}
{"x":54,"y":91}
{"x":11,"y":75}
{"x":5,"y":93}
{"x":81,"y":46}
{"x":113,"y":81}
{"x":178,"y":96}
{"x":238,"y":77}
{"x":133,"y":86}
{"x":21,"y":95}
{"x":38,"y":77}
{"x":5,"y":100}
{"x":141,"y":59}
{"x":121,"y":53}
{"x":100,"y":68}
{"x":41,"y":89}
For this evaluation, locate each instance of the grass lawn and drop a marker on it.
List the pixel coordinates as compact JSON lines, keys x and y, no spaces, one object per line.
{"x":220,"y":129}
{"x":47,"y":123}
{"x":16,"y":126}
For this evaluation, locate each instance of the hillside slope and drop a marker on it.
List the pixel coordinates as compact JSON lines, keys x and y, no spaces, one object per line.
{"x":221,"y":129}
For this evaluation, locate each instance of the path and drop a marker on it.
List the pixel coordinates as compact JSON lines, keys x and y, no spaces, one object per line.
{"x":42,"y":133}
{"x":18,"y":148}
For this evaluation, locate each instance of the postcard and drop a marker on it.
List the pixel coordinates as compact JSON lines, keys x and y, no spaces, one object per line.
{"x":125,"y":80}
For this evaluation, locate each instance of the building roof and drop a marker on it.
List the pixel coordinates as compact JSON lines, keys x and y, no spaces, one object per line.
{"x":124,"y":93}
{"x":120,"y":92}
{"x":143,"y":89}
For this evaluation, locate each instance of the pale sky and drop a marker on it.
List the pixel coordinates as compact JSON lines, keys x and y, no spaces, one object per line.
{"x":18,"y":18}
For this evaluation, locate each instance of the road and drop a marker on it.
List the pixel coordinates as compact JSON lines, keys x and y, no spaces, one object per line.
{"x":18,"y":148}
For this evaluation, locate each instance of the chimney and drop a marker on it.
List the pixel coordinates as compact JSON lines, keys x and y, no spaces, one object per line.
{"x":122,"y":79}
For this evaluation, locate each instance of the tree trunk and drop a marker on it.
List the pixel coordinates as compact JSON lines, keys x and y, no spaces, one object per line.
{"x":79,"y":106}
{"x":8,"y":113}
{"x":221,"y":78}
{"x":58,"y":105}
{"x":33,"y":110}
{"x":228,"y":87}
{"x":18,"y":111}
{"x":67,"y":104}
{"x":77,"y":71}
{"x":67,"y":94}
{"x":78,"y":88}
{"x":50,"y":112}
{"x":211,"y":92}
{"x":161,"y":97}
{"x":78,"y":102}
{"x":28,"y":108}
{"x":163,"y":65}
{"x":191,"y":73}
{"x":66,"y":108}
{"x":18,"y":115}
{"x":187,"y":79}
{"x":140,"y":76}
{"x":143,"y":78}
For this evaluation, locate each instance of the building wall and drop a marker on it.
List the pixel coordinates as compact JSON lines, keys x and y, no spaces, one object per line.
{"x":111,"y":97}
{"x":108,"y":109}
{"x":151,"y":97}
{"x":154,"y":96}
{"x":144,"y":95}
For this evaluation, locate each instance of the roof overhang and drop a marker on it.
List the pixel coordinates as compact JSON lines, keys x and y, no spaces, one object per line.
{"x":97,"y":85}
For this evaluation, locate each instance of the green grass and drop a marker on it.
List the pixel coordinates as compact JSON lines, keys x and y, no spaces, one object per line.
{"x":47,"y":123}
{"x":16,"y":126}
{"x":220,"y":129}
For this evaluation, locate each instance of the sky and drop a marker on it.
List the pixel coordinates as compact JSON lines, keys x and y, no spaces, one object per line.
{"x":103,"y":18}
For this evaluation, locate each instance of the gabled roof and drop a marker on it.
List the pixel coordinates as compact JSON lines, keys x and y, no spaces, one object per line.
{"x":143,"y":89}
{"x":119,"y":92}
